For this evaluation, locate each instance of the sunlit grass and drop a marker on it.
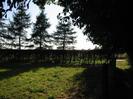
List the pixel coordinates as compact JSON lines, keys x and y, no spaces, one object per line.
{"x":44,"y":82}
{"x":122,"y":64}
{"x":4,"y":70}
{"x":38,"y":83}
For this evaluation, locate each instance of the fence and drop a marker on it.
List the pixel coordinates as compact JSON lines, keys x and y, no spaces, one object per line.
{"x":77,"y":57}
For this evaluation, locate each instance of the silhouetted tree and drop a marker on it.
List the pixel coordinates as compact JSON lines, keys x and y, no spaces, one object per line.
{"x":4,"y":36}
{"x":106,"y":23}
{"x":16,"y":3}
{"x":64,"y":35}
{"x":21,"y":21}
{"x":40,"y":35}
{"x":3,"y":32}
{"x":11,"y":33}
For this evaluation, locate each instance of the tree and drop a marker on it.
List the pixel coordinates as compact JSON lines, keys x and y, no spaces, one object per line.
{"x":64,"y":35}
{"x":40,"y":35}
{"x":3,"y":32}
{"x":92,"y":16}
{"x":16,"y":3}
{"x":106,"y":23}
{"x":21,"y":21}
{"x":11,"y":33}
{"x":4,"y":36}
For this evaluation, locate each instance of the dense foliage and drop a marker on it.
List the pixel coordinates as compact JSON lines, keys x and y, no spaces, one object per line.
{"x":106,"y":22}
{"x":16,"y":3}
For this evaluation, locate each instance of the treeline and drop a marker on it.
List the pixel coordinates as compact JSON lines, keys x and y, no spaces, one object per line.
{"x":61,"y":57}
{"x":13,"y":34}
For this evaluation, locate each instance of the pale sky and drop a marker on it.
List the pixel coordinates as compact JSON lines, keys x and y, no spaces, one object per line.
{"x":51,"y":13}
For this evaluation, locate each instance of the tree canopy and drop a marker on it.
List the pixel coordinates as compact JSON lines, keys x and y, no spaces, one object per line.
{"x":105,"y":22}
{"x":16,"y":3}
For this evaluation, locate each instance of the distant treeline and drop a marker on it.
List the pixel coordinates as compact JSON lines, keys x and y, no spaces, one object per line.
{"x":74,"y":57}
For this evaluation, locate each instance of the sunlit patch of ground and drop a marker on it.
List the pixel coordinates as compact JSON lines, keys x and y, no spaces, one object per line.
{"x":37,"y":83}
{"x":122,"y":64}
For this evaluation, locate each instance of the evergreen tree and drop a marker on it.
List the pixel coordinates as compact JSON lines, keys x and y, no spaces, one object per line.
{"x":2,"y":32}
{"x":21,"y":21}
{"x":11,"y":33}
{"x":40,"y":35}
{"x":64,"y":35}
{"x":4,"y":36}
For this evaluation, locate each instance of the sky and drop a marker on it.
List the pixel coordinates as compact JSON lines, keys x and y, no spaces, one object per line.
{"x":52,"y":11}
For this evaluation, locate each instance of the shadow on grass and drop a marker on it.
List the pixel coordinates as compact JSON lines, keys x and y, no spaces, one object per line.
{"x":123,"y":84}
{"x":91,"y":84}
{"x":88,"y":84}
{"x":15,"y":69}
{"x":11,"y":70}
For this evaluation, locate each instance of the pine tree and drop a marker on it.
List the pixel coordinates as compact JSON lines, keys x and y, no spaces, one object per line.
{"x":21,"y":21}
{"x":64,"y":35}
{"x":40,"y":35}
{"x":2,"y":32}
{"x":12,"y":35}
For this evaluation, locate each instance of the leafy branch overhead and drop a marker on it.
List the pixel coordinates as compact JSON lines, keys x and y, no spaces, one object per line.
{"x":16,"y":3}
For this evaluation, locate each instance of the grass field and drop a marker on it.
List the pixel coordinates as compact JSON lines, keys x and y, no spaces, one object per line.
{"x":37,"y":83}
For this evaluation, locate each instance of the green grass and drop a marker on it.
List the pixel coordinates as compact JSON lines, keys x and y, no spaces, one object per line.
{"x":122,"y":64}
{"x":37,"y":83}
{"x":30,"y":82}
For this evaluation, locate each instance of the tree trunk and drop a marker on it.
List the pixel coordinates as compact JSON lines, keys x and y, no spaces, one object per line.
{"x":130,"y":58}
{"x":108,"y":76}
{"x":19,"y":43}
{"x":63,"y":45}
{"x":40,"y":45}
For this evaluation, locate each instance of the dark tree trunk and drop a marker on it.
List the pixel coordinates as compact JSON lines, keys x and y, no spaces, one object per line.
{"x":19,"y":43}
{"x":40,"y":45}
{"x":130,"y":58}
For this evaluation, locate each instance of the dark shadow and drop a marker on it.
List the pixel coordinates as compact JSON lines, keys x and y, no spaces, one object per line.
{"x":92,"y":84}
{"x":16,"y":69}
{"x":123,"y":84}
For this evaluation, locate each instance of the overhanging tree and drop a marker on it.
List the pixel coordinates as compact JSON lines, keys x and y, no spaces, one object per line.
{"x":64,"y":36}
{"x":16,"y":3}
{"x":40,"y":35}
{"x":106,"y":22}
